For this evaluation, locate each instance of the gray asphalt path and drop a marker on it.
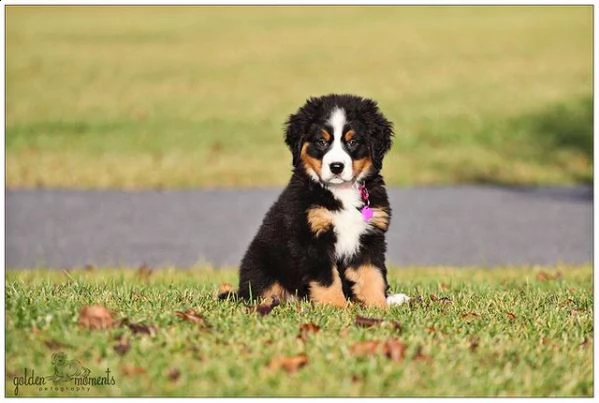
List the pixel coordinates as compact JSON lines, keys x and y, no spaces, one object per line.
{"x":482,"y":226}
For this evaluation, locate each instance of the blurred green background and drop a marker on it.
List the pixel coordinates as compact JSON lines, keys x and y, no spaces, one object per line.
{"x":180,"y":97}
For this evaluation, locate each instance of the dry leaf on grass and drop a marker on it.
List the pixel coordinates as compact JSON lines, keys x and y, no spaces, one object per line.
{"x":543,"y":276}
{"x":368,"y":347}
{"x":192,"y":316}
{"x":395,"y":350}
{"x":144,"y":272}
{"x":138,"y":328}
{"x":122,"y":346}
{"x":367,"y":322}
{"x":371,"y":322}
{"x":173,"y":374}
{"x":265,"y":307}
{"x":470,"y":315}
{"x":473,"y":343}
{"x":56,"y":345}
{"x":444,"y":300}
{"x":511,"y":315}
{"x":306,"y":329}
{"x":419,"y":356}
{"x":129,"y":370}
{"x":289,"y":364}
{"x":95,"y":317}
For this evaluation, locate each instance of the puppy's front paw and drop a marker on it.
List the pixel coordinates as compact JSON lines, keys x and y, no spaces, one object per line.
{"x":397,"y":299}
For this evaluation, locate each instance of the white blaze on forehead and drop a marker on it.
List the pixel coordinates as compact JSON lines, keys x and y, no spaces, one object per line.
{"x":337,"y":120}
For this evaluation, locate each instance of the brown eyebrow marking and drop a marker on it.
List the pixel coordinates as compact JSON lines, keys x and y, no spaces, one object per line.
{"x":349,"y":135}
{"x":326,"y":135}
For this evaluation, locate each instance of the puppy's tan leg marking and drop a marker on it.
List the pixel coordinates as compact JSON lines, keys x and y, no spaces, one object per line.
{"x":380,"y":218}
{"x":276,"y":291}
{"x":320,"y":220}
{"x":331,"y":295}
{"x":369,"y":287}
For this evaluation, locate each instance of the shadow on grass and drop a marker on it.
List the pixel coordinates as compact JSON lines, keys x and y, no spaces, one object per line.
{"x":560,"y":136}
{"x":568,"y":125}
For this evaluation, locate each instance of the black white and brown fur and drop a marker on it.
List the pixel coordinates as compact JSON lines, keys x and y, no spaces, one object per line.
{"x":315,"y":241}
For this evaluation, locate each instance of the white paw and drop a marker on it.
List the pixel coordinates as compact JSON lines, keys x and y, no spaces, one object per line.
{"x":397,"y":299}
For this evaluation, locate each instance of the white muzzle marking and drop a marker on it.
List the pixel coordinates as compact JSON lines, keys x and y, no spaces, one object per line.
{"x":337,"y":154}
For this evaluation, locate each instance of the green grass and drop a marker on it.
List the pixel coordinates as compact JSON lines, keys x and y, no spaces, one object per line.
{"x":519,"y":331}
{"x":180,"y":97}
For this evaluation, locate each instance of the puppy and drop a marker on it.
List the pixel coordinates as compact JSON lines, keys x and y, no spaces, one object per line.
{"x":324,"y":238}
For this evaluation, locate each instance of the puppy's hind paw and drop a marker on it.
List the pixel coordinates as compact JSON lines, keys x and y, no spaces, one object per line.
{"x":397,"y":299}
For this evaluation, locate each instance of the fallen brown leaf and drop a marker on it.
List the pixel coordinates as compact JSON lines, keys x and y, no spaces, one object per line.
{"x":430,"y":330}
{"x":474,"y":341}
{"x":129,"y":370}
{"x":144,"y":271}
{"x":362,"y":348}
{"x":395,"y":350}
{"x":397,"y":326}
{"x":56,"y":345}
{"x":173,"y":374}
{"x":122,"y":346}
{"x":267,"y":306}
{"x":289,"y":364}
{"x":306,"y":329}
{"x":445,"y":300}
{"x":367,"y":322}
{"x":95,"y":317}
{"x":576,"y":312}
{"x":511,"y":315}
{"x":470,"y":315}
{"x":543,"y":276}
{"x":443,"y":286}
{"x":138,"y":328}
{"x":419,"y":356}
{"x":192,"y":316}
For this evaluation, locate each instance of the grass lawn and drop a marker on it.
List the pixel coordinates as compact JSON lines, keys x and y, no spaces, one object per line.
{"x":162,"y":97}
{"x":519,"y":331}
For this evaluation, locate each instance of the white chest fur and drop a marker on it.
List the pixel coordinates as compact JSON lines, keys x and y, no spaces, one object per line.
{"x":348,"y":222}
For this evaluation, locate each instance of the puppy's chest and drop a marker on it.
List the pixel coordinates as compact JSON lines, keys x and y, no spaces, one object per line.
{"x":348,"y":223}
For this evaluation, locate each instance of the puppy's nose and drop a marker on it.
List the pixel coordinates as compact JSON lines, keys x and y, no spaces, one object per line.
{"x":336,"y":167}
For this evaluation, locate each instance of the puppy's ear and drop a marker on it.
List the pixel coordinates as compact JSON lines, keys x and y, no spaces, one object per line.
{"x":298,"y":125}
{"x":381,"y":131}
{"x":293,"y":137}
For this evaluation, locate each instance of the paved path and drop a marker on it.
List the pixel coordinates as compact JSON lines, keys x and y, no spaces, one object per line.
{"x":483,"y":226}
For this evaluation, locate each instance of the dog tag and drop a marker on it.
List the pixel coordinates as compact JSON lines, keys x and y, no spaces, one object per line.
{"x":366,"y":213}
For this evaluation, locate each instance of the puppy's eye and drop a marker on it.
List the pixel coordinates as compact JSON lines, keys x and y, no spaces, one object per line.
{"x":352,"y":143}
{"x":322,"y":143}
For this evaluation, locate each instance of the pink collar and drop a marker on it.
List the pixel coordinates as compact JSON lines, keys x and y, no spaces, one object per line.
{"x":366,"y":210}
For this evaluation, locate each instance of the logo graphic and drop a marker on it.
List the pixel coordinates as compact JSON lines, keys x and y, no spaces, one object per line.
{"x":65,"y":370}
{"x":68,"y":376}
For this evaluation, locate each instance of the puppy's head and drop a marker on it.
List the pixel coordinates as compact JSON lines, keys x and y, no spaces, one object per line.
{"x":338,"y":139}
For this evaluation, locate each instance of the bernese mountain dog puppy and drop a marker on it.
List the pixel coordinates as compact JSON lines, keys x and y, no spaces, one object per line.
{"x":324,"y":238}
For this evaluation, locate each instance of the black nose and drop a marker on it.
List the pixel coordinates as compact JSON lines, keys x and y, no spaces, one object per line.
{"x":336,"y":168}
